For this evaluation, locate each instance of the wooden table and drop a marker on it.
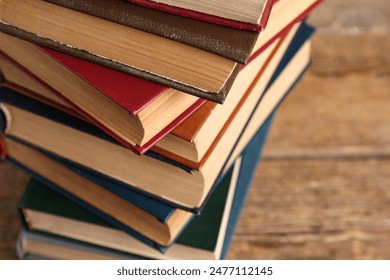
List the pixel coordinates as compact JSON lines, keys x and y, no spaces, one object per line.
{"x":322,"y":190}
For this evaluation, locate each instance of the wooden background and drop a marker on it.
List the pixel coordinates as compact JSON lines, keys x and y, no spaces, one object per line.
{"x":322,"y":190}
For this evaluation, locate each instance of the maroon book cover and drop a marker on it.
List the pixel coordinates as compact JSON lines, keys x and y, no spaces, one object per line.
{"x":131,"y":93}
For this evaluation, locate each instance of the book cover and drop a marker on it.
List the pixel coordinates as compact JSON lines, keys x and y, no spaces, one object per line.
{"x":104,"y":81}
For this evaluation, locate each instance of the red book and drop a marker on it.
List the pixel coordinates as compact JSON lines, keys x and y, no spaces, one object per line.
{"x":103,"y":91}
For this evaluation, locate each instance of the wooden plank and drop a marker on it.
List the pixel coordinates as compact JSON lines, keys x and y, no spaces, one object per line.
{"x":336,"y":56}
{"x":352,"y":17}
{"x":349,"y":245}
{"x":310,"y":209}
{"x":322,"y":189}
{"x":341,"y":108}
{"x":12,"y":182}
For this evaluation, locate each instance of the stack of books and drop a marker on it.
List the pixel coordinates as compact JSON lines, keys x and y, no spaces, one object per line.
{"x":112,"y":108}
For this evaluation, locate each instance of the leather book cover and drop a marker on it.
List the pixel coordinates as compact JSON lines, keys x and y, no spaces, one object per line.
{"x":221,"y":40}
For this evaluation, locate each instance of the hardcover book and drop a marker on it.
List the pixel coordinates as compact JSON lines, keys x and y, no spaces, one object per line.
{"x":155,"y":58}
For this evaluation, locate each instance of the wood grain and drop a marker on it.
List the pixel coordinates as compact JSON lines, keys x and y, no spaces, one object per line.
{"x":322,"y":189}
{"x":352,"y":17}
{"x":307,"y":209}
{"x":12,"y":182}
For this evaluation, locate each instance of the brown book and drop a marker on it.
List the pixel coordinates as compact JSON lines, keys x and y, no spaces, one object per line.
{"x":206,"y":36}
{"x":136,"y":52}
